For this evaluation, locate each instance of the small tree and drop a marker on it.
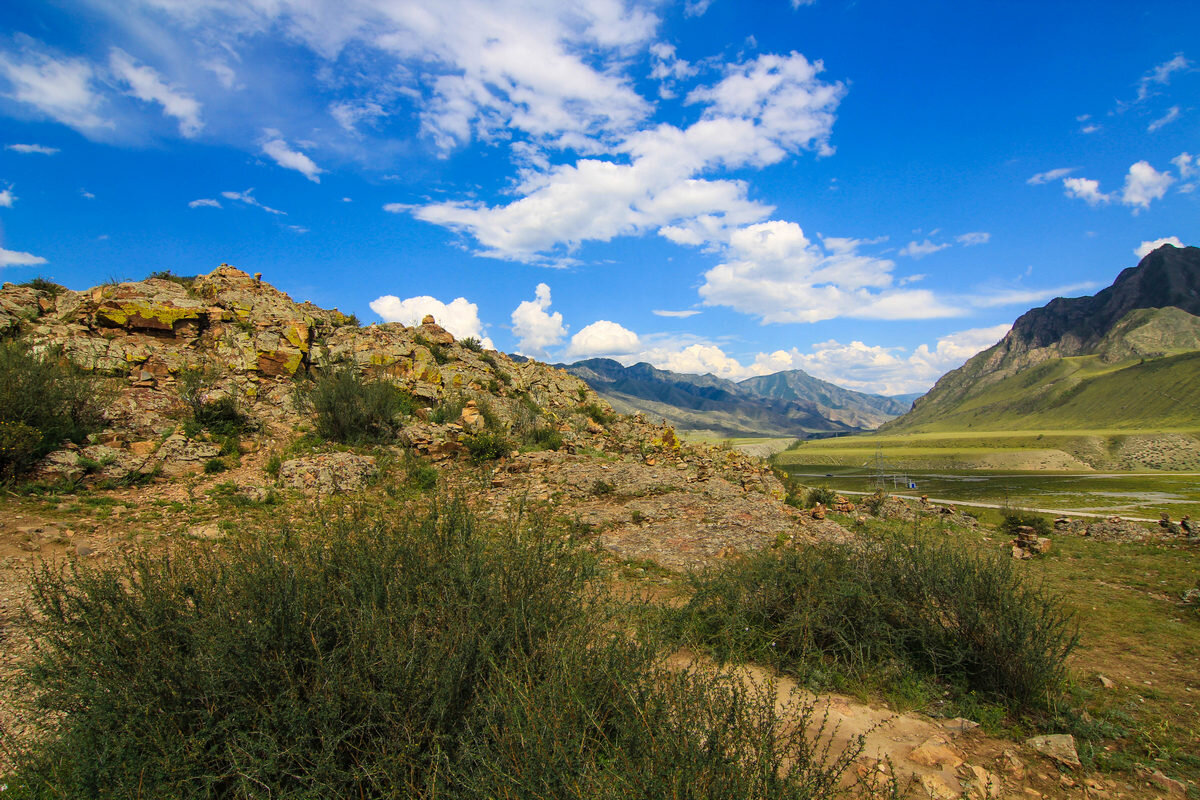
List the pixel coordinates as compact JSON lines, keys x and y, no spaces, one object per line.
{"x":44,"y":401}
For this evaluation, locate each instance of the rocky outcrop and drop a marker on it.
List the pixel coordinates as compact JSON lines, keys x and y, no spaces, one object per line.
{"x":254,"y":342}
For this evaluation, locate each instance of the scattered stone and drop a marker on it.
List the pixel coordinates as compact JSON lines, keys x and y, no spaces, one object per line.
{"x":981,"y":784}
{"x":935,"y":788}
{"x":1058,"y":746}
{"x":935,"y":753}
{"x":959,"y":725}
{"x":1169,"y":785}
{"x":818,"y":511}
{"x":1012,"y":765}
{"x":205,"y":531}
{"x":84,"y":550}
{"x":1107,"y":683}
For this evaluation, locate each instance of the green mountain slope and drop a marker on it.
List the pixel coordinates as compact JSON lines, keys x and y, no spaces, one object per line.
{"x":1125,"y":358}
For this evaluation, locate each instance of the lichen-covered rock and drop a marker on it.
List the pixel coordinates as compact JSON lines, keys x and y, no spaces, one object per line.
{"x":327,"y":473}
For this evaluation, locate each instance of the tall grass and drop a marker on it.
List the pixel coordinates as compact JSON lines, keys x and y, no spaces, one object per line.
{"x":425,"y":658}
{"x":894,"y":603}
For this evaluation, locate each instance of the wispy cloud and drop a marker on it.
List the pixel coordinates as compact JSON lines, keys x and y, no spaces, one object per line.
{"x":1166,"y":119}
{"x":146,"y":84}
{"x":32,"y":148}
{"x":973,"y":238}
{"x":921,"y":249}
{"x":675,"y":314}
{"x":283,"y":155}
{"x":249,"y":199}
{"x":1050,"y":175}
{"x":204,"y":202}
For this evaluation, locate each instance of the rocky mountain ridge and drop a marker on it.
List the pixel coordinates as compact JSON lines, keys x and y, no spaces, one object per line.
{"x":786,"y":404}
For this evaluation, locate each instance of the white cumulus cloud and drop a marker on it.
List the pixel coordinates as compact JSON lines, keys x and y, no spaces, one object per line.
{"x":535,"y":328}
{"x":1146,"y":248}
{"x":773,"y":271}
{"x":7,"y":198}
{"x":460,"y":316}
{"x":16,"y":258}
{"x":1087,"y":190}
{"x":603,"y":338}
{"x":1143,"y":184}
{"x":757,"y":114}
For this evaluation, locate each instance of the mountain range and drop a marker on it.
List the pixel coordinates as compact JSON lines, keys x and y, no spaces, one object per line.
{"x":1127,"y":357}
{"x":791,"y":403}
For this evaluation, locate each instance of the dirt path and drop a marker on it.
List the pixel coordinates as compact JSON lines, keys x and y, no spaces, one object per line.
{"x":948,"y":759}
{"x":973,"y":504}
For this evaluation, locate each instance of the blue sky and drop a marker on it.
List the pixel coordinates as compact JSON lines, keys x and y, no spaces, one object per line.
{"x":869,"y":191}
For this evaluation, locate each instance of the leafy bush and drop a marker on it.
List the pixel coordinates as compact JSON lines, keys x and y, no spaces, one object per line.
{"x":426,"y":658}
{"x":819,"y":494}
{"x":214,"y":465}
{"x":186,"y":281}
{"x":859,"y":610}
{"x":354,"y":410}
{"x":471,"y":343}
{"x":43,"y":402}
{"x":1018,"y":518}
{"x":598,"y":414}
{"x":221,"y":416}
{"x":436,"y":350}
{"x":449,"y":410}
{"x":41,"y":284}
{"x":487,"y":446}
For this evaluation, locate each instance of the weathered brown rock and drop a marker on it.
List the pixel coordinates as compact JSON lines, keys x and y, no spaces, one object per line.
{"x":1058,"y":746}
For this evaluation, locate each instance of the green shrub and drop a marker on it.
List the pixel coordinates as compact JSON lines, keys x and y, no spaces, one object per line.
{"x":214,"y":465}
{"x":41,"y":284}
{"x":221,"y":416}
{"x":421,"y":475}
{"x":598,"y":414}
{"x":436,"y":350}
{"x":422,"y":659}
{"x":885,"y":605}
{"x":273,"y":465}
{"x":54,"y":399}
{"x":1019,"y":518}
{"x":487,"y":446}
{"x":602,"y":488}
{"x":449,"y":410}
{"x":354,"y":410}
{"x":471,"y":343}
{"x":186,"y":281}
{"x":819,"y":494}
